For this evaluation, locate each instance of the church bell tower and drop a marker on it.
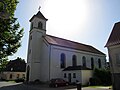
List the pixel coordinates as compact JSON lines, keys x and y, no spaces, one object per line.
{"x":37,"y":31}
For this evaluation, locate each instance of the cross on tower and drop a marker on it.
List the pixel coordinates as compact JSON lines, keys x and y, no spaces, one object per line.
{"x":39,"y":8}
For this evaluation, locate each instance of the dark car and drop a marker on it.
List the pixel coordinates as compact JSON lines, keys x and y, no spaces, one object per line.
{"x":57,"y":82}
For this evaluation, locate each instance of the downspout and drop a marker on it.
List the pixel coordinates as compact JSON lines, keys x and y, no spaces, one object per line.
{"x":49,"y":61}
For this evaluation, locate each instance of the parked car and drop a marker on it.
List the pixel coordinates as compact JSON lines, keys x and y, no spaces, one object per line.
{"x":57,"y":82}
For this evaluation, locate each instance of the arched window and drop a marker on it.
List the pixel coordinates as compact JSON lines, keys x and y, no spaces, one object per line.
{"x":99,"y":63}
{"x":40,"y":25}
{"x":84,"y":61}
{"x":31,"y":26}
{"x":74,"y":60}
{"x":62,"y":61}
{"x":92,"y":63}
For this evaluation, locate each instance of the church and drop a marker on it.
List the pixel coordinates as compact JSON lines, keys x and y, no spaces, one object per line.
{"x":52,"y":57}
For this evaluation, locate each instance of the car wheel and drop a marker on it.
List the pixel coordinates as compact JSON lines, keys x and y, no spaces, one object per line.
{"x":56,"y":85}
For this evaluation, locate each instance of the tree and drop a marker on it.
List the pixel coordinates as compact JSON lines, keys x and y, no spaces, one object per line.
{"x":22,"y":60}
{"x":102,"y":76}
{"x":3,"y":64}
{"x":10,"y":34}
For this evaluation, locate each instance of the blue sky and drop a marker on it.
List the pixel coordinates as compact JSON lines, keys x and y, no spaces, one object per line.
{"x":85,"y":21}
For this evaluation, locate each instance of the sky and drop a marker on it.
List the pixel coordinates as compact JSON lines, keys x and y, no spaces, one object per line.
{"x":85,"y":21}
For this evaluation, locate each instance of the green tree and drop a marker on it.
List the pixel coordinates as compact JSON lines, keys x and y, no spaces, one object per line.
{"x":3,"y":64}
{"x":18,"y":58}
{"x":103,"y":76}
{"x":10,"y":34}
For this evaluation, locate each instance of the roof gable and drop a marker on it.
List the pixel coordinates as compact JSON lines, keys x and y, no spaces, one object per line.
{"x":39,"y":15}
{"x":114,"y":38}
{"x":71,"y":44}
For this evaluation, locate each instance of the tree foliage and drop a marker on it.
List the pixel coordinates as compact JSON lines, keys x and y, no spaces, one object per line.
{"x":10,"y":34}
{"x":3,"y":63}
{"x":18,"y":58}
{"x":101,"y":77}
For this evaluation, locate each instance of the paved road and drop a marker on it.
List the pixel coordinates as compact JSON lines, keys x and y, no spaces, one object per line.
{"x":20,"y":86}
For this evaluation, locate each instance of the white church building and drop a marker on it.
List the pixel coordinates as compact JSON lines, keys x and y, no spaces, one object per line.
{"x":53,"y":57}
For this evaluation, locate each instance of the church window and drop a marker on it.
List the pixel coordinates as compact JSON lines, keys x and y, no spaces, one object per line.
{"x":65,"y":75}
{"x":84,"y":61}
{"x":92,"y":63}
{"x":74,"y":75}
{"x":74,"y":60}
{"x":31,"y":26}
{"x":40,"y":25}
{"x":99,"y":63}
{"x":62,"y":61}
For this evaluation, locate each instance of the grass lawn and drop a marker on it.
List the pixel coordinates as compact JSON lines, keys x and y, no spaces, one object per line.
{"x":100,"y":86}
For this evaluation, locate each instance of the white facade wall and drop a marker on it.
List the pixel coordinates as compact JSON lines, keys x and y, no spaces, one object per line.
{"x":56,"y":71}
{"x":35,"y":49}
{"x":45,"y":61}
{"x":86,"y":75}
{"x":73,"y":80}
{"x":114,"y":54}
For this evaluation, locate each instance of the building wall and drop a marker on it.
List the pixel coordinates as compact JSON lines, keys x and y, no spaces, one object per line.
{"x":114,"y":56}
{"x":86,"y":75}
{"x":73,"y":79}
{"x":48,"y":65}
{"x":36,"y":49}
{"x":45,"y":61}
{"x":56,"y":71}
{"x":13,"y":75}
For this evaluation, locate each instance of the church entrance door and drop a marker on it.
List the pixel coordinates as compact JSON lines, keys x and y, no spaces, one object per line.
{"x":69,"y":77}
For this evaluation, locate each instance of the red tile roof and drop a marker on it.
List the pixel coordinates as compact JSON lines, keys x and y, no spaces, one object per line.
{"x":39,"y":15}
{"x":71,"y":44}
{"x":114,"y":38}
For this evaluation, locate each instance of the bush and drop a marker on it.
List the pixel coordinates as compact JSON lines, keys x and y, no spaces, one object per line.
{"x":94,"y":81}
{"x":101,"y":77}
{"x":19,"y":80}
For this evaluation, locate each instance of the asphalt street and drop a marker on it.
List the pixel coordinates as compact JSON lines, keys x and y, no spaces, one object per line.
{"x":20,"y":86}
